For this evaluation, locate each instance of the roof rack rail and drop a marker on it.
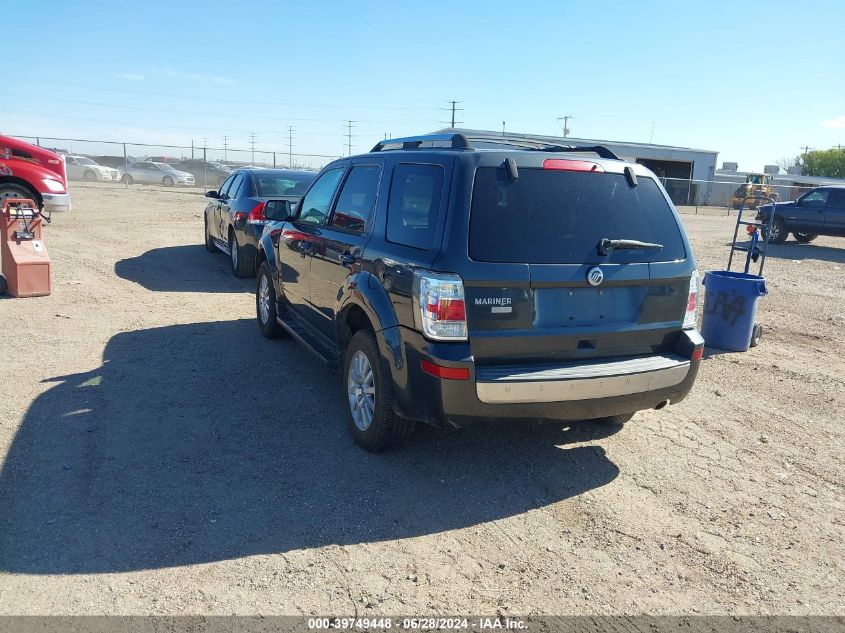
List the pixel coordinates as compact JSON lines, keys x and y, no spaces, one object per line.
{"x":458,"y":141}
{"x":541,"y":146}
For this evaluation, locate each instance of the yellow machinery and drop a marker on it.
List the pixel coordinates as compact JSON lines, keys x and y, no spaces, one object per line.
{"x":757,"y":187}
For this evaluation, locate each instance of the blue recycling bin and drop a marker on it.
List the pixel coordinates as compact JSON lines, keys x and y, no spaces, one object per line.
{"x":730,"y":309}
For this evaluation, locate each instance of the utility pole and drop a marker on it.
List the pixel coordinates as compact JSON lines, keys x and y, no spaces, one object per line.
{"x":453,"y":107}
{"x":806,"y":149}
{"x":252,"y":145}
{"x":651,"y":138}
{"x":349,"y":137}
{"x":225,"y":149}
{"x":503,"y":128}
{"x":290,"y":146}
{"x":565,"y":120}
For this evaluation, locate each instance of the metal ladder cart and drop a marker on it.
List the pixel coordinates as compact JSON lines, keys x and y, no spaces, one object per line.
{"x":755,"y":253}
{"x":756,"y":246}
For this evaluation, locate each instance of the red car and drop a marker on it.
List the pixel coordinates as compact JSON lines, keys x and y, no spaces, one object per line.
{"x":29,"y":171}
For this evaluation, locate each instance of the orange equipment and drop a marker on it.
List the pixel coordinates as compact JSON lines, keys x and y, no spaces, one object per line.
{"x":26,"y":264}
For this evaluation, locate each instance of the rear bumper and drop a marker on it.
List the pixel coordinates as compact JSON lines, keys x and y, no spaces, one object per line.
{"x":570,"y":391}
{"x":56,"y":201}
{"x":572,"y":382}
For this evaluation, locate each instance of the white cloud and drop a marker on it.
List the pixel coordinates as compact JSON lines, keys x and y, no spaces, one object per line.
{"x":200,"y":78}
{"x":130,"y":76}
{"x":837,"y":123}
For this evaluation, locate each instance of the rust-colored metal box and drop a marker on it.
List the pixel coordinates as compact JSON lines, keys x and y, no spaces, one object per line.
{"x":26,"y":264}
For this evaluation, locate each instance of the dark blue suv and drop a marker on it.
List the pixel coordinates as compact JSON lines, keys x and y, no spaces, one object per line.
{"x":455,"y":280}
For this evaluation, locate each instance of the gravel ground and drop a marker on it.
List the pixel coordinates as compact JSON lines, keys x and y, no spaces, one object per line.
{"x":160,"y":457}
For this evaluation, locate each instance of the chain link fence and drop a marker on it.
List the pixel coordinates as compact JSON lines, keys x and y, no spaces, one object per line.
{"x":203,"y":162}
{"x":728,"y":194}
{"x":209,"y":164}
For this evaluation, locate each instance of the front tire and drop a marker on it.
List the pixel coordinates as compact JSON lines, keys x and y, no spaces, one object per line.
{"x":210,"y":246}
{"x":805,"y":238}
{"x":778,"y":233}
{"x":89,"y":176}
{"x":266,"y":308}
{"x":14,"y":190}
{"x":127,"y":179}
{"x":372,"y":421}
{"x":167,"y":181}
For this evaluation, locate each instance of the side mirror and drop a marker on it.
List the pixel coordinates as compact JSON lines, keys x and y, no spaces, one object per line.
{"x":212,"y":194}
{"x":278,"y":210}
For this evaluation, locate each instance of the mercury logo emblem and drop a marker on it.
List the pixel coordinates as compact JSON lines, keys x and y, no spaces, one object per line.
{"x":595,"y":276}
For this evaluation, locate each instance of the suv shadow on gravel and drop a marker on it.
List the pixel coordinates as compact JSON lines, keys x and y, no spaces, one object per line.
{"x":180,"y":269}
{"x":157,"y":459}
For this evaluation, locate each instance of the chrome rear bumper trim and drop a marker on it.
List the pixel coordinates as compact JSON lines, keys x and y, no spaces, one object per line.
{"x":584,"y":382}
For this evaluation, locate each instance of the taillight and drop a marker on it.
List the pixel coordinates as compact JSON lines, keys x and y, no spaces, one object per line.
{"x":257,"y":214}
{"x":439,"y":305}
{"x":572,"y":165}
{"x":692,"y":302}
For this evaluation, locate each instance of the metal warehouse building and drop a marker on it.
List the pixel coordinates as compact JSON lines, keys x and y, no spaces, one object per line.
{"x":679,"y":166}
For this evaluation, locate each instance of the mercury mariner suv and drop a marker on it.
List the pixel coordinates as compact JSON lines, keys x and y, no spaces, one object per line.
{"x":454,"y":280}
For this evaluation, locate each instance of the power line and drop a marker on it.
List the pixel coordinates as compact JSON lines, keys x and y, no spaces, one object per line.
{"x":565,"y":120}
{"x":22,"y":79}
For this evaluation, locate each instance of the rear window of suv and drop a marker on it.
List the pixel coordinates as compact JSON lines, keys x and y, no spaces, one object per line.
{"x":558,"y":217}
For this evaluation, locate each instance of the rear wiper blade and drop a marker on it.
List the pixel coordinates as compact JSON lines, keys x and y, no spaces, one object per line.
{"x":605,"y":246}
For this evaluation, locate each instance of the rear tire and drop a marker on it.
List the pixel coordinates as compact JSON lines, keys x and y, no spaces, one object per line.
{"x":240,"y":266}
{"x":266,"y":308}
{"x":4,"y":286}
{"x":167,"y":181}
{"x":805,"y":238}
{"x":614,"y":420}
{"x":89,"y":176}
{"x":372,"y":421}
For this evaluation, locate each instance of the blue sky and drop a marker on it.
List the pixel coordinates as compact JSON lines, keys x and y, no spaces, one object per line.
{"x":693,"y":74}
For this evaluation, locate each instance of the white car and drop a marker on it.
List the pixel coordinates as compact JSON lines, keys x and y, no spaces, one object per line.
{"x":83,"y":168}
{"x":151,"y":173}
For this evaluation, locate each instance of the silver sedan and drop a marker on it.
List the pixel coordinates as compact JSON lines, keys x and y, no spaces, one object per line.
{"x":157,"y":174}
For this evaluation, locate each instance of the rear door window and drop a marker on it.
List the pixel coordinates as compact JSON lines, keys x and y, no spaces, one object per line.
{"x":837,"y":198}
{"x":558,"y":217}
{"x":414,"y":205}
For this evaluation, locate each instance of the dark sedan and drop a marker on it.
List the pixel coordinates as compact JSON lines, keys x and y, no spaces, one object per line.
{"x":234,"y":216}
{"x":206,"y":173}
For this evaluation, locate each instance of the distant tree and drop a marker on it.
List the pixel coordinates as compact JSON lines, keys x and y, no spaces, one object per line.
{"x":787,"y":163}
{"x":829,"y":163}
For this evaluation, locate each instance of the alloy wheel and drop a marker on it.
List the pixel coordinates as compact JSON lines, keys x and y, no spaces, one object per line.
{"x":361,"y":391}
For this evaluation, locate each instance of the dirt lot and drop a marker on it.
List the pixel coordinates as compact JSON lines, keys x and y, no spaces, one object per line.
{"x":159,"y":456}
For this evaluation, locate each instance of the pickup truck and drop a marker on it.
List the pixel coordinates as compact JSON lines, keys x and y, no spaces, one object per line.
{"x":820,"y":211}
{"x":29,"y":171}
